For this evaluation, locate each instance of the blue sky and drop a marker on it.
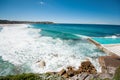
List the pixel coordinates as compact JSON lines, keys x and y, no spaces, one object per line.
{"x":62,"y":11}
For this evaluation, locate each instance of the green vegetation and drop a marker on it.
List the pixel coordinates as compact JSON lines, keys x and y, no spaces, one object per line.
{"x":31,"y":76}
{"x":117,"y":74}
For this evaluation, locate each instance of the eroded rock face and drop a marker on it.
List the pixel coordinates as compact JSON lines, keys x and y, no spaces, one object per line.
{"x":109,"y":63}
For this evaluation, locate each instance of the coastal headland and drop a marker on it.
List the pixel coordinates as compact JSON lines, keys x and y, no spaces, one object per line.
{"x":24,"y":22}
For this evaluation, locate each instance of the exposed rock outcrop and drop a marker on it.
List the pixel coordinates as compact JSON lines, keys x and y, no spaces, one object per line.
{"x":85,"y":69}
{"x":109,"y":63}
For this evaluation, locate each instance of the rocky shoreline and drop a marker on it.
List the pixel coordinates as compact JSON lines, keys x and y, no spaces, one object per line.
{"x":87,"y":71}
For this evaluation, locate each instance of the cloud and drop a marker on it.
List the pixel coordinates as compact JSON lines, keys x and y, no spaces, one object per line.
{"x":41,"y":2}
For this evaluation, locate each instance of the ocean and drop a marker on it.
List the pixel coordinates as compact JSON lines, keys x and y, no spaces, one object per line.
{"x":59,"y":45}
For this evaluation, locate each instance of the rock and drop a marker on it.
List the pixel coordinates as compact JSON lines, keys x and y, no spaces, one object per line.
{"x":105,"y":75}
{"x":90,"y":76}
{"x":70,"y":68}
{"x":63,"y":71}
{"x":65,"y":75}
{"x":41,"y":64}
{"x":77,"y":71}
{"x":85,"y":63}
{"x":71,"y":73}
{"x":87,"y":67}
{"x":83,"y":76}
{"x":109,"y":63}
{"x":84,"y":70}
{"x":93,"y":71}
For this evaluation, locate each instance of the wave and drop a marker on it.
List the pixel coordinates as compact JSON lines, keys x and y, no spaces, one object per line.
{"x":58,"y":34}
{"x":23,"y":46}
{"x":112,"y":36}
{"x":62,"y":35}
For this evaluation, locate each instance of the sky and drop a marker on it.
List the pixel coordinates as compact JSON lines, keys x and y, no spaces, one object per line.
{"x":62,"y":11}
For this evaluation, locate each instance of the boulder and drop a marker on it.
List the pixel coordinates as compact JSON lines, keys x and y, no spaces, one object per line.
{"x":87,"y":66}
{"x":41,"y":63}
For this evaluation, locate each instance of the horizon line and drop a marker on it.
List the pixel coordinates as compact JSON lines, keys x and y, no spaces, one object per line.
{"x":63,"y":22}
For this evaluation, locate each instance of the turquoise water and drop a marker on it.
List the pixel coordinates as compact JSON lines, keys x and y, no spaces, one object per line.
{"x":59,"y":45}
{"x":107,"y":40}
{"x":79,"y":29}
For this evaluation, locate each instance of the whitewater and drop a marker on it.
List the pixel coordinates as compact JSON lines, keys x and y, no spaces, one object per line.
{"x":21,"y":46}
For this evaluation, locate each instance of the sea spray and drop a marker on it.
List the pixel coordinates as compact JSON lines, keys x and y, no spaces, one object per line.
{"x":23,"y":46}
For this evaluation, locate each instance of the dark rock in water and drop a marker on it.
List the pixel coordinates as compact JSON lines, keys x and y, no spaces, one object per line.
{"x":109,"y":63}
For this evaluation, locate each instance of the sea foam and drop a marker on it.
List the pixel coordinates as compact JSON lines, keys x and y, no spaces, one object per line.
{"x":24,"y":46}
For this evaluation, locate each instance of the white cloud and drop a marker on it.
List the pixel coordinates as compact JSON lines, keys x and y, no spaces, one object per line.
{"x":41,"y":2}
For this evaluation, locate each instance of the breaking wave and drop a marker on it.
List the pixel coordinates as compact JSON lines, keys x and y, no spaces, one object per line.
{"x":21,"y":47}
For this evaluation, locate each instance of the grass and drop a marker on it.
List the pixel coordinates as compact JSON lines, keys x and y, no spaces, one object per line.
{"x":32,"y":76}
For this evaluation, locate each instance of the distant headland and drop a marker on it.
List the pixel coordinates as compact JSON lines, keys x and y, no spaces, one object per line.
{"x":24,"y":22}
